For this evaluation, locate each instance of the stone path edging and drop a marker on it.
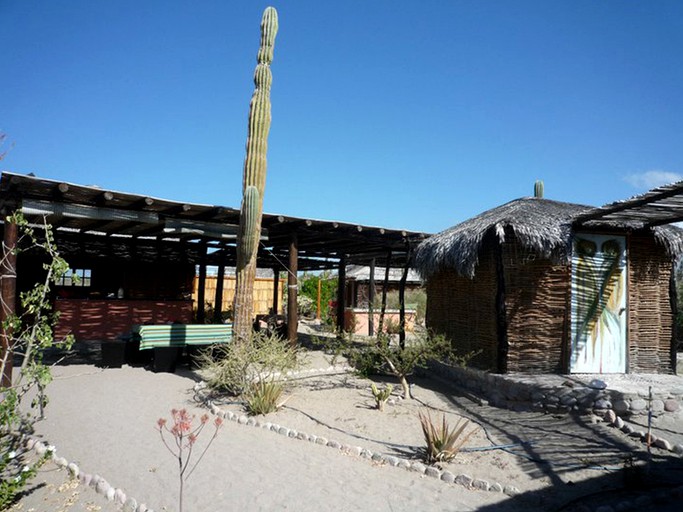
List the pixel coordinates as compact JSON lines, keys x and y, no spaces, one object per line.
{"x":416,"y":466}
{"x":96,"y":482}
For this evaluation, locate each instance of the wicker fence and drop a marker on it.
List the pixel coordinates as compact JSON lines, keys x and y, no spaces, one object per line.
{"x":263,"y":293}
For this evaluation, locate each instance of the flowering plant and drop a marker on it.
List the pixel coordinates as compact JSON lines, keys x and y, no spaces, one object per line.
{"x":183,"y":437}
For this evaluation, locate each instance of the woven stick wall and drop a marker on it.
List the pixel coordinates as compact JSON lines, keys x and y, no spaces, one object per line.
{"x":263,"y":293}
{"x":464,"y":310}
{"x":536,"y":298}
{"x":650,"y":317}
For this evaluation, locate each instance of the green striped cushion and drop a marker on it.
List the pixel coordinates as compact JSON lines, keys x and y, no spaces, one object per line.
{"x":178,"y":335}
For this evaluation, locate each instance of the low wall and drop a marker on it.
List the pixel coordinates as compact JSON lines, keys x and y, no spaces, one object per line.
{"x":106,"y":320}
{"x":627,"y":395}
{"x":359,"y":319}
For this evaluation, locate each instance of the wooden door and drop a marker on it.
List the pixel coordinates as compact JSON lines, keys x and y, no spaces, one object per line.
{"x":598,"y":306}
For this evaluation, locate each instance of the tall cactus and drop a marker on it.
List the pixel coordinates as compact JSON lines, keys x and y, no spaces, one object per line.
{"x":254,"y":179}
{"x":538,"y":189}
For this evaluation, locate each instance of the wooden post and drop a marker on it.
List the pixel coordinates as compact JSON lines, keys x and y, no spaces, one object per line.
{"x":402,"y":303}
{"x":292,"y":290}
{"x":371,"y":299}
{"x":384,"y":293}
{"x":218,"y":302}
{"x":8,"y":296}
{"x":341,"y":296}
{"x":501,"y":312}
{"x":320,"y":286}
{"x":201,"y":314}
{"x":276,"y":290}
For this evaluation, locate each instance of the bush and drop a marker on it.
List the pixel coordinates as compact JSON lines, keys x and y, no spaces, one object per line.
{"x":234,"y":367}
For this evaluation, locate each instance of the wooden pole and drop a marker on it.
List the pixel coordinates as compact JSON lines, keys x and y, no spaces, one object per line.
{"x":218,"y":302}
{"x":501,"y":311}
{"x":8,"y":296}
{"x":320,"y":285}
{"x":402,"y":303}
{"x":292,"y":290}
{"x":384,"y":293}
{"x":276,"y":290}
{"x":341,"y":296}
{"x":201,"y":314}
{"x":371,"y":299}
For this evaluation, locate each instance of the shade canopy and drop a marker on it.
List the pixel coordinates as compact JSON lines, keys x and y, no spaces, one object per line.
{"x":141,"y":223}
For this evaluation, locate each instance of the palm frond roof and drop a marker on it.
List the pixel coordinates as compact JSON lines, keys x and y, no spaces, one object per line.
{"x":542,"y":225}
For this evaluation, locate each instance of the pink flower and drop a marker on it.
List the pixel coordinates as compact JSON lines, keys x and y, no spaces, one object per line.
{"x":161,"y":422}
{"x":218,"y":422}
{"x":204,"y":418}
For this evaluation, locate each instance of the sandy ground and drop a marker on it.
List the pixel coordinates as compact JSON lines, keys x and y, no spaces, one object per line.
{"x":104,"y":421}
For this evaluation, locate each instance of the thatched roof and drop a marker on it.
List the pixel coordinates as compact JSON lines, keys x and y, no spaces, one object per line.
{"x":539,"y":224}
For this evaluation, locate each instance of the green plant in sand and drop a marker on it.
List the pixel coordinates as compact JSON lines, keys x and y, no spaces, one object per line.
{"x":381,"y":395}
{"x":234,"y":367}
{"x":443,"y":442}
{"x":263,"y":397}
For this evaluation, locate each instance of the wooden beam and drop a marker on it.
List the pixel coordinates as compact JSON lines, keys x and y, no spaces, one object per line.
{"x":201,"y":286}
{"x":501,"y":311}
{"x":402,"y":305}
{"x":371,"y":299}
{"x":8,"y":299}
{"x":341,"y":296}
{"x":218,"y":302}
{"x":276,"y":290}
{"x":384,"y":293}
{"x":292,"y":289}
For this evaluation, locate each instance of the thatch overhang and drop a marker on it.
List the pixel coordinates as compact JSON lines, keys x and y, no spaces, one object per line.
{"x":542,"y":225}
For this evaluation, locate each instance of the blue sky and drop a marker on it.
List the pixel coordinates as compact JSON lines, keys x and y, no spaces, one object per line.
{"x":414,"y":115}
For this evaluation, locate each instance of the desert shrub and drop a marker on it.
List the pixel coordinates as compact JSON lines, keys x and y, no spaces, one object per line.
{"x":263,"y":397}
{"x":29,"y":335}
{"x":234,"y":367}
{"x":308,"y":287}
{"x":443,"y":442}
{"x":305,"y":306}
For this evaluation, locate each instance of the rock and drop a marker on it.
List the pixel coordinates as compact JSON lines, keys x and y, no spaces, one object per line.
{"x":511,"y":490}
{"x":292,"y":433}
{"x":30,"y":443}
{"x":496,"y":487}
{"x":39,"y":448}
{"x":356,"y":450}
{"x":61,"y":462}
{"x":627,"y":429}
{"x":110,"y":494}
{"x":334,"y":444}
{"x":663,"y":444}
{"x":283,"y":431}
{"x":321,"y":440}
{"x":619,"y":423}
{"x":481,"y":485}
{"x":433,"y":472}
{"x":120,"y":496}
{"x":621,"y":406}
{"x":303,"y":436}
{"x":131,"y":505}
{"x":671,"y":405}
{"x":73,"y":469}
{"x":141,"y":508}
{"x":448,"y":477}
{"x":404,"y":464}
{"x":242,"y":420}
{"x":603,"y":403}
{"x":366,"y":454}
{"x":251,"y":422}
{"x":102,"y":486}
{"x":465,"y":480}
{"x":678,"y":449}
{"x":391,"y":460}
{"x":94,"y":480}
{"x":610,"y":416}
{"x":638,"y":405}
{"x":85,"y":478}
{"x":657,"y":406}
{"x":597,"y":384}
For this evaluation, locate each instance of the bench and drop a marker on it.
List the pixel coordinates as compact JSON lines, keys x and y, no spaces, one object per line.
{"x":168,"y":341}
{"x":180,"y":335}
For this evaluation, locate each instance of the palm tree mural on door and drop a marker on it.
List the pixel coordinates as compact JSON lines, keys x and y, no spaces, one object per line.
{"x":598,"y":326}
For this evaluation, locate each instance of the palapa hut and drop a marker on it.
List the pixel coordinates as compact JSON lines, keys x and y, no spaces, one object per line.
{"x":536,"y":293}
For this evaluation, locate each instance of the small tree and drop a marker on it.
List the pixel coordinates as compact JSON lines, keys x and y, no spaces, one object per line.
{"x":28,"y":334}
